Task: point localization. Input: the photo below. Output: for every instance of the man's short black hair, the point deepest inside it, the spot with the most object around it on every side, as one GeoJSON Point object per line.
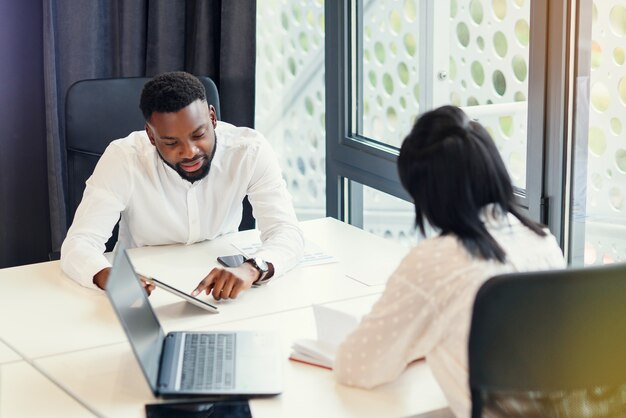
{"type": "Point", "coordinates": [170, 92]}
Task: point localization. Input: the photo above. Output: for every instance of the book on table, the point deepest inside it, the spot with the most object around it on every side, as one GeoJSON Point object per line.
{"type": "Point", "coordinates": [333, 326]}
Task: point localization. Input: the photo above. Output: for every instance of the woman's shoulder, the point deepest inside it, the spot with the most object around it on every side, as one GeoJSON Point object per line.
{"type": "Point", "coordinates": [434, 258]}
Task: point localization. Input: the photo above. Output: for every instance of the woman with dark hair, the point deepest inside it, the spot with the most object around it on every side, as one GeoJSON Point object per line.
{"type": "Point", "coordinates": [451, 168]}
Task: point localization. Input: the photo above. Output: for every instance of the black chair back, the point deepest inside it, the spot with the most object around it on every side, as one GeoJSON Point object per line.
{"type": "Point", "coordinates": [550, 343]}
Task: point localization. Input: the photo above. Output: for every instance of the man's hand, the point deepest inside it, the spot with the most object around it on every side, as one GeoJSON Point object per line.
{"type": "Point", "coordinates": [227, 283]}
{"type": "Point", "coordinates": [101, 278]}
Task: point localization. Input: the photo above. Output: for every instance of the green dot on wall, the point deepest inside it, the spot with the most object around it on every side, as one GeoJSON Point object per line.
{"type": "Point", "coordinates": [463, 34]}
{"type": "Point", "coordinates": [410, 11]}
{"type": "Point", "coordinates": [388, 84]}
{"type": "Point", "coordinates": [597, 141]}
{"type": "Point", "coordinates": [379, 52]}
{"type": "Point", "coordinates": [617, 19]}
{"type": "Point", "coordinates": [616, 126]}
{"type": "Point", "coordinates": [476, 11]}
{"type": "Point", "coordinates": [618, 55]}
{"type": "Point", "coordinates": [395, 22]}
{"type": "Point", "coordinates": [506, 126]}
{"type": "Point", "coordinates": [403, 73]}
{"type": "Point", "coordinates": [410, 44]}
{"type": "Point", "coordinates": [519, 68]}
{"type": "Point", "coordinates": [499, 9]}
{"type": "Point", "coordinates": [500, 44]}
{"type": "Point", "coordinates": [620, 160]}
{"type": "Point", "coordinates": [522, 32]}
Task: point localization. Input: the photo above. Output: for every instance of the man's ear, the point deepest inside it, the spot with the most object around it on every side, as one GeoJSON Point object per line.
{"type": "Point", "coordinates": [213, 115]}
{"type": "Point", "coordinates": [150, 136]}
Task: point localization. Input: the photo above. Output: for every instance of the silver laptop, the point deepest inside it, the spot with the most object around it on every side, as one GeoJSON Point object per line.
{"type": "Point", "coordinates": [191, 363]}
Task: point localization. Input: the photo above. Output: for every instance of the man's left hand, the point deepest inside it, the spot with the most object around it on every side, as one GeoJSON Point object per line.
{"type": "Point", "coordinates": [227, 283]}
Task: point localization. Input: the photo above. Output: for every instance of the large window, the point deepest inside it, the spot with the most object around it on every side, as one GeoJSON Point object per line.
{"type": "Point", "coordinates": [599, 180]}
{"type": "Point", "coordinates": [387, 61]}
{"type": "Point", "coordinates": [469, 53]}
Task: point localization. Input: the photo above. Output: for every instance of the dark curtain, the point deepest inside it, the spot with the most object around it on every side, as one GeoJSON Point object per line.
{"type": "Point", "coordinates": [86, 39]}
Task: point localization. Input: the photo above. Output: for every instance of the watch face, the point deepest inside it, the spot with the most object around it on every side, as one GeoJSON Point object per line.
{"type": "Point", "coordinates": [261, 264]}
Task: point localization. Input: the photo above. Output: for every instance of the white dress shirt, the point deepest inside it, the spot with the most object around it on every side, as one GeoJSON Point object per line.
{"type": "Point", "coordinates": [426, 308]}
{"type": "Point", "coordinates": [158, 207]}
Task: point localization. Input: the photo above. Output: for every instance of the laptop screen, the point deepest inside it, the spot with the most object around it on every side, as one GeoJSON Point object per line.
{"type": "Point", "coordinates": [136, 315]}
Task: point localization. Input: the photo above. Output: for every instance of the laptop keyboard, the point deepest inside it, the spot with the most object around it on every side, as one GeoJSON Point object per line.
{"type": "Point", "coordinates": [208, 361]}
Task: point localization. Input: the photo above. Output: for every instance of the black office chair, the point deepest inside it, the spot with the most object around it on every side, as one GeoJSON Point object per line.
{"type": "Point", "coordinates": [550, 344]}
{"type": "Point", "coordinates": [99, 111]}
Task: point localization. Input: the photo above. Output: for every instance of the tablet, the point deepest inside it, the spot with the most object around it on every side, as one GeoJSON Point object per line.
{"type": "Point", "coordinates": [186, 296]}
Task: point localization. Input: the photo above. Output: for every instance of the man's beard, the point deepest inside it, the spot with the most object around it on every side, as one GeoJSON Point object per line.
{"type": "Point", "coordinates": [200, 173]}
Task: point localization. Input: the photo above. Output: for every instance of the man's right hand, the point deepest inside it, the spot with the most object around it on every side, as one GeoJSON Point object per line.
{"type": "Point", "coordinates": [101, 278]}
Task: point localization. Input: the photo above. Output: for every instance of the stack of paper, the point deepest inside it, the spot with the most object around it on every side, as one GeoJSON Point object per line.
{"type": "Point", "coordinates": [333, 326]}
{"type": "Point", "coordinates": [313, 254]}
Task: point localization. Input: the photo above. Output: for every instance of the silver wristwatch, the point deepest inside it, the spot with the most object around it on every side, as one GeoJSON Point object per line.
{"type": "Point", "coordinates": [263, 268]}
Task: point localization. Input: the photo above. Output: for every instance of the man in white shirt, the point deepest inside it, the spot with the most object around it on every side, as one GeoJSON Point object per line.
{"type": "Point", "coordinates": [183, 180]}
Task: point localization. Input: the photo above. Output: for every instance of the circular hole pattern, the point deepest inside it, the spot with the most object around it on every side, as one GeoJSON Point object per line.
{"type": "Point", "coordinates": [410, 44]}
{"type": "Point", "coordinates": [618, 55]}
{"type": "Point", "coordinates": [379, 52]}
{"type": "Point", "coordinates": [597, 141]}
{"type": "Point", "coordinates": [372, 78]}
{"type": "Point", "coordinates": [476, 11]}
{"type": "Point", "coordinates": [600, 97]}
{"type": "Point", "coordinates": [395, 22]}
{"type": "Point", "coordinates": [481, 43]}
{"type": "Point", "coordinates": [301, 166]}
{"type": "Point", "coordinates": [520, 97]}
{"type": "Point", "coordinates": [478, 73]}
{"type": "Point", "coordinates": [621, 87]}
{"type": "Point", "coordinates": [617, 17]}
{"type": "Point", "coordinates": [291, 64]}
{"type": "Point", "coordinates": [616, 126]}
{"type": "Point", "coordinates": [616, 198]}
{"type": "Point", "coordinates": [463, 34]}
{"type": "Point", "coordinates": [388, 83]}
{"type": "Point", "coordinates": [499, 82]}
{"type": "Point", "coordinates": [499, 9]}
{"type": "Point", "coordinates": [620, 160]}
{"type": "Point", "coordinates": [403, 73]}
{"type": "Point", "coordinates": [393, 48]}
{"type": "Point", "coordinates": [519, 68]}
{"type": "Point", "coordinates": [521, 32]}
{"type": "Point", "coordinates": [506, 126]}
{"type": "Point", "coordinates": [500, 44]}
{"type": "Point", "coordinates": [410, 11]}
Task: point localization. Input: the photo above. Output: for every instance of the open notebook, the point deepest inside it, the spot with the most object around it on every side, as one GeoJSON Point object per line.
{"type": "Point", "coordinates": [333, 326]}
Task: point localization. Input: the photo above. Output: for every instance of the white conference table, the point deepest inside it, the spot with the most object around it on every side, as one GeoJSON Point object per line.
{"type": "Point", "coordinates": [71, 335]}
{"type": "Point", "coordinates": [25, 392]}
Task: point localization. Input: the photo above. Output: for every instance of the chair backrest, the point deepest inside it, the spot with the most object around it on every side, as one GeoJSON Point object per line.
{"type": "Point", "coordinates": [545, 343]}
{"type": "Point", "coordinates": [99, 111]}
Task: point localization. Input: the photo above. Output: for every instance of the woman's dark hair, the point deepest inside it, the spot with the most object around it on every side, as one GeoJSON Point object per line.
{"type": "Point", "coordinates": [451, 168]}
{"type": "Point", "coordinates": [170, 92]}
